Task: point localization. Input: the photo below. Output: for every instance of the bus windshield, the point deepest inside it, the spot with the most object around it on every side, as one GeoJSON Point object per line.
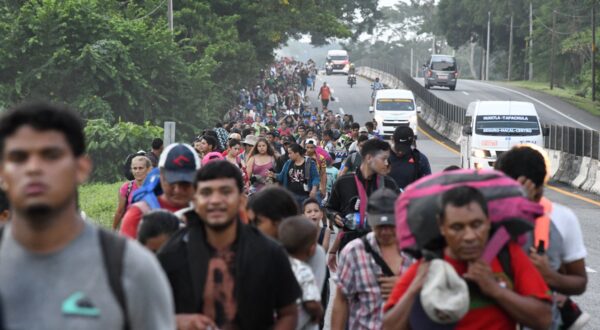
{"type": "Point", "coordinates": [395, 105]}
{"type": "Point", "coordinates": [507, 125]}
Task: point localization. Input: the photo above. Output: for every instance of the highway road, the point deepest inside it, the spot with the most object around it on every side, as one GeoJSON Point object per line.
{"type": "Point", "coordinates": [552, 110]}
{"type": "Point", "coordinates": [355, 101]}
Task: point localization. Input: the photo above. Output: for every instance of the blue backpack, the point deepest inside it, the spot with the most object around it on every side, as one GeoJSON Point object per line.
{"type": "Point", "coordinates": [150, 190]}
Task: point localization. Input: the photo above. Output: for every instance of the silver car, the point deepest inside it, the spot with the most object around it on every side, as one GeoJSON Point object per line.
{"type": "Point", "coordinates": [441, 70]}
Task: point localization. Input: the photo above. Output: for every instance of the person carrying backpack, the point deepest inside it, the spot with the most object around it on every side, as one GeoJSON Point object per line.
{"type": "Point", "coordinates": [368, 268]}
{"type": "Point", "coordinates": [57, 270]}
{"type": "Point", "coordinates": [407, 163]}
{"type": "Point", "coordinates": [349, 195]}
{"type": "Point", "coordinates": [168, 187]}
{"type": "Point", "coordinates": [556, 246]}
{"type": "Point", "coordinates": [140, 167]}
{"type": "Point", "coordinates": [299, 175]}
{"type": "Point", "coordinates": [496, 297]}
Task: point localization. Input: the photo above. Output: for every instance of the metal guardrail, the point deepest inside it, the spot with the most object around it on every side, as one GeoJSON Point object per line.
{"type": "Point", "coordinates": [572, 140]}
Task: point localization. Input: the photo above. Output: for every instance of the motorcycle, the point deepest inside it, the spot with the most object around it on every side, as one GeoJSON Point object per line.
{"type": "Point", "coordinates": [328, 68]}
{"type": "Point", "coordinates": [351, 80]}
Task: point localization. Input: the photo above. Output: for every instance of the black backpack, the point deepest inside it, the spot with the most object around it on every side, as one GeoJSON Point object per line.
{"type": "Point", "coordinates": [112, 248]}
{"type": "Point", "coordinates": [127, 166]}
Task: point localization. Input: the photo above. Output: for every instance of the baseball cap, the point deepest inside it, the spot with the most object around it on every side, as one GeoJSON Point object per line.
{"type": "Point", "coordinates": [444, 298]}
{"type": "Point", "coordinates": [236, 136]}
{"type": "Point", "coordinates": [363, 130]}
{"type": "Point", "coordinates": [179, 163]}
{"type": "Point", "coordinates": [311, 141]}
{"type": "Point", "coordinates": [250, 139]}
{"type": "Point", "coordinates": [380, 209]}
{"type": "Point", "coordinates": [403, 134]}
{"type": "Point", "coordinates": [214, 155]}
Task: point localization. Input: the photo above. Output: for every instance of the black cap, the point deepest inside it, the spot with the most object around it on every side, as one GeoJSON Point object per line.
{"type": "Point", "coordinates": [403, 134]}
{"type": "Point", "coordinates": [380, 208]}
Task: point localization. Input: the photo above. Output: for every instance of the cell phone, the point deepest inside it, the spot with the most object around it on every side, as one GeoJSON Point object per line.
{"type": "Point", "coordinates": [541, 249]}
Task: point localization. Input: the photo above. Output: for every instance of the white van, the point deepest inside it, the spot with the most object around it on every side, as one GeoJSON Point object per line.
{"type": "Point", "coordinates": [338, 61]}
{"type": "Point", "coordinates": [393, 108]}
{"type": "Point", "coordinates": [493, 127]}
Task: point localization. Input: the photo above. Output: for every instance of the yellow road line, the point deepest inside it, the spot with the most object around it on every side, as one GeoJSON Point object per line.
{"type": "Point", "coordinates": [558, 190]}
{"type": "Point", "coordinates": [570, 194]}
{"type": "Point", "coordinates": [438, 141]}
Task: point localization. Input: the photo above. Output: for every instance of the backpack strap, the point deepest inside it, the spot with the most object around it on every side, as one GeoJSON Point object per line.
{"type": "Point", "coordinates": [505, 263]}
{"type": "Point", "coordinates": [378, 259]}
{"type": "Point", "coordinates": [541, 233]}
{"type": "Point", "coordinates": [113, 253]}
{"type": "Point", "coordinates": [362, 195]}
{"type": "Point", "coordinates": [129, 188]}
{"type": "Point", "coordinates": [416, 154]}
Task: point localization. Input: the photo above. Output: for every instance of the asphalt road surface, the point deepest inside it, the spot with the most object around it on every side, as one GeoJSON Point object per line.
{"type": "Point", "coordinates": [552, 110]}
{"type": "Point", "coordinates": [356, 100]}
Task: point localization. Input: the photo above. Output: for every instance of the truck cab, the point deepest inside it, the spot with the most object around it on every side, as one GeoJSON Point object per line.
{"type": "Point", "coordinates": [393, 108]}
{"type": "Point", "coordinates": [493, 127]}
{"type": "Point", "coordinates": [338, 61]}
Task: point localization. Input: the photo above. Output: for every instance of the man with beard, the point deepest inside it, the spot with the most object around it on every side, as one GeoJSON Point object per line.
{"type": "Point", "coordinates": [54, 264]}
{"type": "Point", "coordinates": [225, 274]}
{"type": "Point", "coordinates": [407, 163]}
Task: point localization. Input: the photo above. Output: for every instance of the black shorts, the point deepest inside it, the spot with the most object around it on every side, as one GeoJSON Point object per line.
{"type": "Point", "coordinates": [325, 102]}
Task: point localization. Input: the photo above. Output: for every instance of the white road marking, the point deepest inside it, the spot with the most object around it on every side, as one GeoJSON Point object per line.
{"type": "Point", "coordinates": [542, 103]}
{"type": "Point", "coordinates": [589, 270]}
{"type": "Point", "coordinates": [465, 93]}
{"type": "Point", "coordinates": [342, 111]}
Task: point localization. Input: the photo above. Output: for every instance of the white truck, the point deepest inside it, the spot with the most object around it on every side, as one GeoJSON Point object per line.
{"type": "Point", "coordinates": [338, 61]}
{"type": "Point", "coordinates": [493, 127]}
{"type": "Point", "coordinates": [393, 108]}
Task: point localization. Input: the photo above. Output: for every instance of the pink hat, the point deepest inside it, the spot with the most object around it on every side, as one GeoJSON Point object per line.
{"type": "Point", "coordinates": [215, 155]}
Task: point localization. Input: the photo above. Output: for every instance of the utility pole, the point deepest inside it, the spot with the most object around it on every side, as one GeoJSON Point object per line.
{"type": "Point", "coordinates": [510, 42]}
{"type": "Point", "coordinates": [170, 15]}
{"type": "Point", "coordinates": [530, 41]}
{"type": "Point", "coordinates": [411, 61]}
{"type": "Point", "coordinates": [433, 50]}
{"type": "Point", "coordinates": [487, 50]}
{"type": "Point", "coordinates": [593, 52]}
{"type": "Point", "coordinates": [552, 50]}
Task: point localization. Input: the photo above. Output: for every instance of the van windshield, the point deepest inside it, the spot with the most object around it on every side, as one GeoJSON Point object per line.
{"type": "Point", "coordinates": [507, 125]}
{"type": "Point", "coordinates": [338, 57]}
{"type": "Point", "coordinates": [443, 66]}
{"type": "Point", "coordinates": [395, 105]}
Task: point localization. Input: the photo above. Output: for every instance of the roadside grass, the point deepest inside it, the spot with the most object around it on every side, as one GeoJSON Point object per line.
{"type": "Point", "coordinates": [99, 201]}
{"type": "Point", "coordinates": [567, 94]}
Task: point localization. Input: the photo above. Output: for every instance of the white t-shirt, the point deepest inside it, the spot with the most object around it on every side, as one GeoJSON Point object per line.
{"type": "Point", "coordinates": [568, 226]}
{"type": "Point", "coordinates": [566, 239]}
{"type": "Point", "coordinates": [310, 292]}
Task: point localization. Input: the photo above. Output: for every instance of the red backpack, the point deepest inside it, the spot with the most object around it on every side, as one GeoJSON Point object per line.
{"type": "Point", "coordinates": [512, 214]}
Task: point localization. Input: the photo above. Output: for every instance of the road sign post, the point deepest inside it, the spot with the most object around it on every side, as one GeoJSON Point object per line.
{"type": "Point", "coordinates": [169, 134]}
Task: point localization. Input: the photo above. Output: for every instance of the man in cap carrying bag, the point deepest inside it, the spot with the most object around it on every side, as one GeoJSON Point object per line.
{"type": "Point", "coordinates": [407, 163]}
{"type": "Point", "coordinates": [368, 268]}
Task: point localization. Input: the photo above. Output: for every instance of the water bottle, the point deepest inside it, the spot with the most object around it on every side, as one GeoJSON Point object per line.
{"type": "Point", "coordinates": [352, 221]}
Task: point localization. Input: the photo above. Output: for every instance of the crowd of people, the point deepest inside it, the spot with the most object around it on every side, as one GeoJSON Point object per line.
{"type": "Point", "coordinates": [247, 226]}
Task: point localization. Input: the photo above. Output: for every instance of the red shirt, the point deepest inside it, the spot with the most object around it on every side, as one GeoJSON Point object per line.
{"type": "Point", "coordinates": [325, 93]}
{"type": "Point", "coordinates": [484, 313]}
{"type": "Point", "coordinates": [133, 216]}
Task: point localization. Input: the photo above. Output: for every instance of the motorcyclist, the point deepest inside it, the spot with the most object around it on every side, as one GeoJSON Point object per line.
{"type": "Point", "coordinates": [351, 75]}
{"type": "Point", "coordinates": [352, 69]}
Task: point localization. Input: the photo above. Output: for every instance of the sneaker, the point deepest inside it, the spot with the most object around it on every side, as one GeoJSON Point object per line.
{"type": "Point", "coordinates": [572, 317]}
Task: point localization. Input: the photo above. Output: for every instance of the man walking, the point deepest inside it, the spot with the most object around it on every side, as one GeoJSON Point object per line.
{"type": "Point", "coordinates": [407, 163]}
{"type": "Point", "coordinates": [368, 268]}
{"type": "Point", "coordinates": [224, 274]}
{"type": "Point", "coordinates": [58, 271]}
{"type": "Point", "coordinates": [325, 95]}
